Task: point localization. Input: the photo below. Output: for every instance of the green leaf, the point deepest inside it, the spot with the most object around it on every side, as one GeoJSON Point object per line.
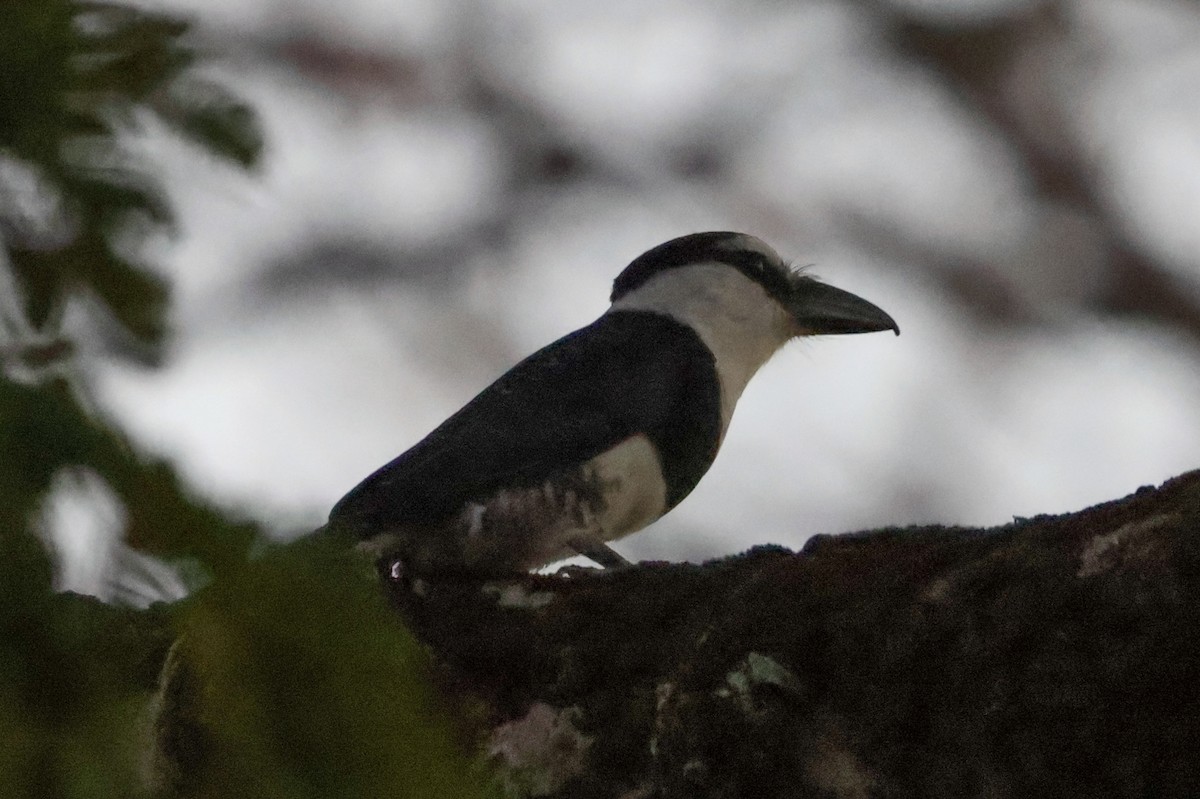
{"type": "Point", "coordinates": [74, 79]}
{"type": "Point", "coordinates": [40, 278]}
{"type": "Point", "coordinates": [42, 430]}
{"type": "Point", "coordinates": [76, 675]}
{"type": "Point", "coordinates": [293, 678]}
{"type": "Point", "coordinates": [35, 47]}
{"type": "Point", "coordinates": [214, 119]}
{"type": "Point", "coordinates": [136, 298]}
{"type": "Point", "coordinates": [109, 193]}
{"type": "Point", "coordinates": [86, 123]}
{"type": "Point", "coordinates": [128, 52]}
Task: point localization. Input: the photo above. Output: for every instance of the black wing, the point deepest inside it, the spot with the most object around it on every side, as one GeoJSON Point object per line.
{"type": "Point", "coordinates": [626, 373]}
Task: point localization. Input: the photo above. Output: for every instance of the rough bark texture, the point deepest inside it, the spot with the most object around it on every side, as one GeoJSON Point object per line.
{"type": "Point", "coordinates": [1055, 656]}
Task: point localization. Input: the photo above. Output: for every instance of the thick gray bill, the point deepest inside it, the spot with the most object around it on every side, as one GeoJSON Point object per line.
{"type": "Point", "coordinates": [823, 310]}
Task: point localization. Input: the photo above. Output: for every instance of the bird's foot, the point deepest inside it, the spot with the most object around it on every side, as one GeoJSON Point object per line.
{"type": "Point", "coordinates": [600, 553]}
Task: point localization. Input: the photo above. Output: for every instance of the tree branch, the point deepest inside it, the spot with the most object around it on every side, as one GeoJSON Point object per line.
{"type": "Point", "coordinates": [1054, 656]}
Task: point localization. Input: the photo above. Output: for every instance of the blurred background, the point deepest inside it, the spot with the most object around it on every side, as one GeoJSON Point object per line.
{"type": "Point", "coordinates": [395, 202]}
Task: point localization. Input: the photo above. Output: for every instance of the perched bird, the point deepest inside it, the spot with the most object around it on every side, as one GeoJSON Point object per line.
{"type": "Point", "coordinates": [602, 432]}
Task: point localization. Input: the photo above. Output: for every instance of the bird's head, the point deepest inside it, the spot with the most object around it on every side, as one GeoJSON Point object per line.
{"type": "Point", "coordinates": [741, 298]}
{"type": "Point", "coordinates": [723, 273]}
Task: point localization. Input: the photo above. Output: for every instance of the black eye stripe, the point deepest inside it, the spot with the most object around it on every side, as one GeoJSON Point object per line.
{"type": "Point", "coordinates": [754, 266]}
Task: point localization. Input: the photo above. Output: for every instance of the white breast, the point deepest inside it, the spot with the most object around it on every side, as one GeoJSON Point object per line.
{"type": "Point", "coordinates": [737, 320]}
{"type": "Point", "coordinates": [614, 494]}
{"type": "Point", "coordinates": [630, 476]}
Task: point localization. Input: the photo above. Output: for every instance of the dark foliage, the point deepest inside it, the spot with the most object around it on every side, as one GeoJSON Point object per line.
{"type": "Point", "coordinates": [78, 81]}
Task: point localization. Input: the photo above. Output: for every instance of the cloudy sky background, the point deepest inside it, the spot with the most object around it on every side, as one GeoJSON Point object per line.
{"type": "Point", "coordinates": [451, 185]}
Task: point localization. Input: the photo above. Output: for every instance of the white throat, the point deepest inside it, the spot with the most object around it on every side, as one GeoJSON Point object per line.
{"type": "Point", "coordinates": [733, 315]}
